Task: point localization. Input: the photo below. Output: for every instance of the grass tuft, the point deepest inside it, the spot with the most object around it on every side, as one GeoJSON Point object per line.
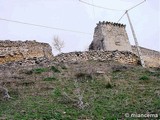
{"type": "Point", "coordinates": [57, 92]}
{"type": "Point", "coordinates": [54, 69]}
{"type": "Point", "coordinates": [144, 77]}
{"type": "Point", "coordinates": [40, 70]}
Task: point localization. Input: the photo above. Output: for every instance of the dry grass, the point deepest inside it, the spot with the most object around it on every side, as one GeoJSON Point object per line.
{"type": "Point", "coordinates": [78, 92]}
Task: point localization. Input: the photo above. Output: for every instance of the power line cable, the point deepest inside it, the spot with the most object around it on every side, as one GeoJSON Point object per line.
{"type": "Point", "coordinates": [111, 8]}
{"type": "Point", "coordinates": [121, 17]}
{"type": "Point", "coordinates": [118, 20]}
{"type": "Point", "coordinates": [136, 5]}
{"type": "Point", "coordinates": [131, 9]}
{"type": "Point", "coordinates": [43, 26]}
{"type": "Point", "coordinates": [100, 6]}
{"type": "Point", "coordinates": [61, 29]}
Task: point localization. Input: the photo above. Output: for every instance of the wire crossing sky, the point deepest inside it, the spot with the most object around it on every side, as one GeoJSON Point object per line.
{"type": "Point", "coordinates": [43, 26]}
{"type": "Point", "coordinates": [99, 6]}
{"type": "Point", "coordinates": [74, 21]}
{"type": "Point", "coordinates": [111, 8]}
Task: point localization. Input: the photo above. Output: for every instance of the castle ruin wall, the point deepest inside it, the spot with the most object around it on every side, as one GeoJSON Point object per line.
{"type": "Point", "coordinates": [123, 57]}
{"type": "Point", "coordinates": [150, 57]}
{"type": "Point", "coordinates": [11, 51]}
{"type": "Point", "coordinates": [110, 36]}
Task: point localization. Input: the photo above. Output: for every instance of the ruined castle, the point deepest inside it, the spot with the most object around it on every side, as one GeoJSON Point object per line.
{"type": "Point", "coordinates": [109, 36]}
{"type": "Point", "coordinates": [27, 53]}
{"type": "Point", "coordinates": [110, 43]}
{"type": "Point", "coordinates": [11, 51]}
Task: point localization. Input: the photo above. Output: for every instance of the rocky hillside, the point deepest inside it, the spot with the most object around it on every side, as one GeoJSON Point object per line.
{"type": "Point", "coordinates": [78, 90]}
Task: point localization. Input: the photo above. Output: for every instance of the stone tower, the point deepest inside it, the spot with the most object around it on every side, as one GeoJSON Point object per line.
{"type": "Point", "coordinates": [109, 36]}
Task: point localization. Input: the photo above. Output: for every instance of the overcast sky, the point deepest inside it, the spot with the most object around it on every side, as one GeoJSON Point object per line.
{"type": "Point", "coordinates": [75, 15]}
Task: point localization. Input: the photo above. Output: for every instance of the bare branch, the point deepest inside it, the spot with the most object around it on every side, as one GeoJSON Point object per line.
{"type": "Point", "coordinates": [58, 44]}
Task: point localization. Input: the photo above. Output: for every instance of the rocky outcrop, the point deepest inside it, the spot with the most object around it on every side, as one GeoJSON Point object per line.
{"type": "Point", "coordinates": [123, 57]}
{"type": "Point", "coordinates": [11, 51]}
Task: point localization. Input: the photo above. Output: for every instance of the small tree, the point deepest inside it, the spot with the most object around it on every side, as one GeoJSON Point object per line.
{"type": "Point", "coordinates": [58, 44]}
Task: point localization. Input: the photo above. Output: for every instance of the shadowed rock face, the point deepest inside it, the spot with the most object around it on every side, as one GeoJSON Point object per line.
{"type": "Point", "coordinates": [11, 51]}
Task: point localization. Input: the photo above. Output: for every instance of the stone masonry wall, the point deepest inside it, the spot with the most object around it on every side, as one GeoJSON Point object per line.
{"type": "Point", "coordinates": [151, 57]}
{"type": "Point", "coordinates": [17, 50]}
{"type": "Point", "coordinates": [123, 57]}
{"type": "Point", "coordinates": [110, 36]}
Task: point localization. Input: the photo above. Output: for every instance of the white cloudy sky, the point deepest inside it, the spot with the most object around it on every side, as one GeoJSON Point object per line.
{"type": "Point", "coordinates": [74, 15]}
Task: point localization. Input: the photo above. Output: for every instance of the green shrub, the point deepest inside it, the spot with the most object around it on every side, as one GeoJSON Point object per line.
{"type": "Point", "coordinates": [57, 92]}
{"type": "Point", "coordinates": [144, 77]}
{"type": "Point", "coordinates": [54, 69]}
{"type": "Point", "coordinates": [108, 85]}
{"type": "Point", "coordinates": [153, 73]}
